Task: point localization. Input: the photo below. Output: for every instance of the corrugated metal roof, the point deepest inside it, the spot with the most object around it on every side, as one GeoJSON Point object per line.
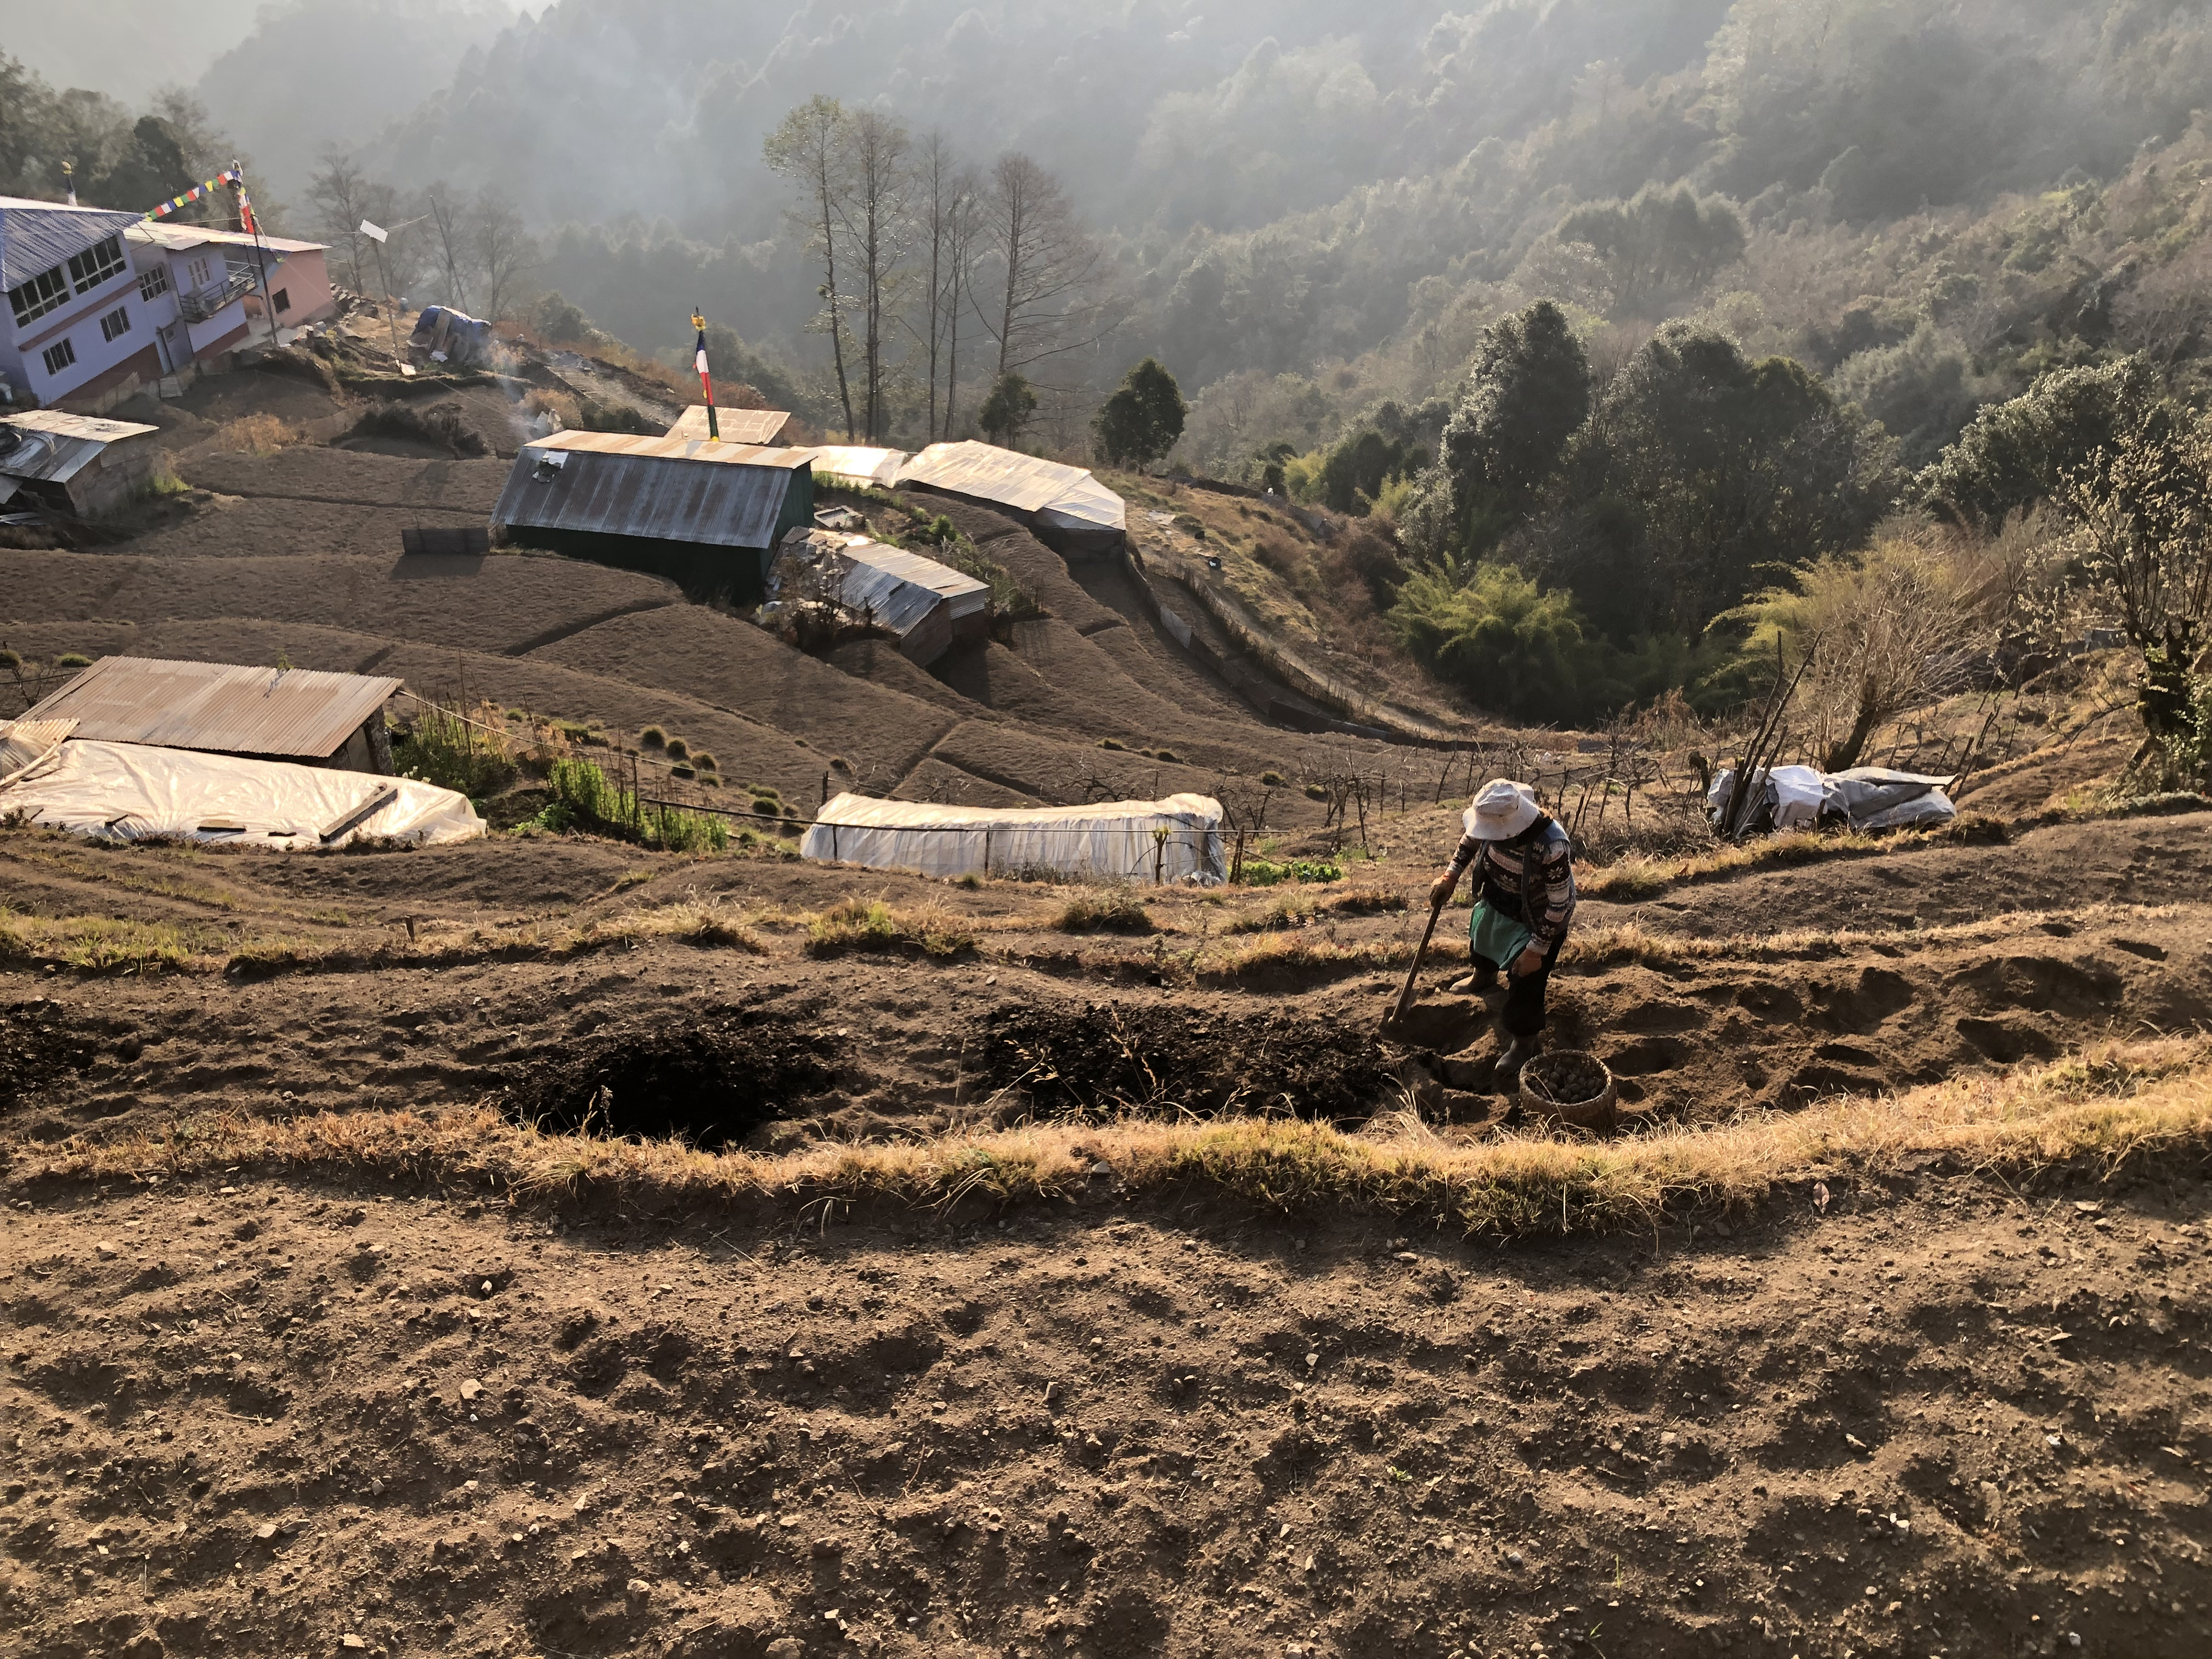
{"type": "Point", "coordinates": [166, 232]}
{"type": "Point", "coordinates": [738, 426]}
{"type": "Point", "coordinates": [669, 449]}
{"type": "Point", "coordinates": [898, 589]}
{"type": "Point", "coordinates": [57, 445]}
{"type": "Point", "coordinates": [666, 488]}
{"type": "Point", "coordinates": [222, 708]}
{"type": "Point", "coordinates": [36, 236]}
{"type": "Point", "coordinates": [1028, 484]}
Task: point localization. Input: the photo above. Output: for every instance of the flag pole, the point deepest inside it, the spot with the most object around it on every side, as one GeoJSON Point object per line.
{"type": "Point", "coordinates": [706, 380]}
{"type": "Point", "coordinates": [251, 221]}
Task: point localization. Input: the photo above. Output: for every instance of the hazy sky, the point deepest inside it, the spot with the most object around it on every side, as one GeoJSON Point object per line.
{"type": "Point", "coordinates": [126, 48]}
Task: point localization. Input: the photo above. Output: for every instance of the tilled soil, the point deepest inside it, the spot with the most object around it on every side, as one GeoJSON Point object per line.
{"type": "Point", "coordinates": [253, 1416]}
{"type": "Point", "coordinates": [1038, 1022]}
{"type": "Point", "coordinates": [1104, 1058]}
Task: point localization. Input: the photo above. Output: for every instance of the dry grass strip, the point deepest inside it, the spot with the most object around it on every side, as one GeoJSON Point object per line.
{"type": "Point", "coordinates": [2115, 1105]}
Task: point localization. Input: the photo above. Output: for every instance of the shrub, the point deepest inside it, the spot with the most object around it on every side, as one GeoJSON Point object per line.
{"type": "Point", "coordinates": [684, 771]}
{"type": "Point", "coordinates": [598, 804]}
{"type": "Point", "coordinates": [705, 763]}
{"type": "Point", "coordinates": [443, 747]}
{"type": "Point", "coordinates": [1107, 910]}
{"type": "Point", "coordinates": [441, 426]}
{"type": "Point", "coordinates": [652, 737]}
{"type": "Point", "coordinates": [1507, 644]}
{"type": "Point", "coordinates": [1115, 744]}
{"type": "Point", "coordinates": [1275, 781]}
{"type": "Point", "coordinates": [72, 659]}
{"type": "Point", "coordinates": [678, 749]}
{"type": "Point", "coordinates": [1260, 872]}
{"type": "Point", "coordinates": [767, 806]}
{"type": "Point", "coordinates": [1316, 791]}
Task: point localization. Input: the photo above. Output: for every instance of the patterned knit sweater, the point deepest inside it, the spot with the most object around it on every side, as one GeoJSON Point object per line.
{"type": "Point", "coordinates": [1531, 877]}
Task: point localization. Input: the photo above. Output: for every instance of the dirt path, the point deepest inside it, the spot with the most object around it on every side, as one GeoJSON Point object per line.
{"type": "Point", "coordinates": [257, 1416]}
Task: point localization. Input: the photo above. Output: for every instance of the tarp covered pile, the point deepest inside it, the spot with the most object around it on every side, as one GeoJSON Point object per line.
{"type": "Point", "coordinates": [136, 792]}
{"type": "Point", "coordinates": [1867, 797]}
{"type": "Point", "coordinates": [1175, 839]}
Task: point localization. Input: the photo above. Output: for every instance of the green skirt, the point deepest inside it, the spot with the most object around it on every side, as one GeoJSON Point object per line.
{"type": "Point", "coordinates": [1496, 937]}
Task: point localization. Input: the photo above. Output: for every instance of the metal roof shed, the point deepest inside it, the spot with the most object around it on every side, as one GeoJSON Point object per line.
{"type": "Point", "coordinates": [227, 709]}
{"type": "Point", "coordinates": [707, 515]}
{"type": "Point", "coordinates": [926, 605]}
{"type": "Point", "coordinates": [76, 464]}
{"type": "Point", "coordinates": [1069, 510]}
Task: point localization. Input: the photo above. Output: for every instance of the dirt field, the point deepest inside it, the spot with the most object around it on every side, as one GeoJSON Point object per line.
{"type": "Point", "coordinates": [543, 1248]}
{"type": "Point", "coordinates": [268, 1414]}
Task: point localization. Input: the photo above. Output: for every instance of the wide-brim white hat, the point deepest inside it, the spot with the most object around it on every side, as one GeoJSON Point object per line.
{"type": "Point", "coordinates": [1501, 811]}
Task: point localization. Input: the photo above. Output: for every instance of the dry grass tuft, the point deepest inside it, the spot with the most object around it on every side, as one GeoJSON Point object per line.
{"type": "Point", "coordinates": [858, 924]}
{"type": "Point", "coordinates": [2112, 1105]}
{"type": "Point", "coordinates": [710, 920]}
{"type": "Point", "coordinates": [259, 434]}
{"type": "Point", "coordinates": [104, 945]}
{"type": "Point", "coordinates": [1104, 910]}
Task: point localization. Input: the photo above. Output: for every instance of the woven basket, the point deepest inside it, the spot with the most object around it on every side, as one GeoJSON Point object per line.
{"type": "Point", "coordinates": [1599, 1112]}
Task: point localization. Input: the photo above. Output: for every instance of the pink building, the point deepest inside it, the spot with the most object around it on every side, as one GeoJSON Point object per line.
{"type": "Point", "coordinates": [102, 304]}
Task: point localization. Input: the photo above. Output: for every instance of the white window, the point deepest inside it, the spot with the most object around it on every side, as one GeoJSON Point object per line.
{"type": "Point", "coordinates": [59, 355]}
{"type": "Point", "coordinates": [153, 281]}
{"type": "Point", "coordinates": [117, 322]}
{"type": "Point", "coordinates": [43, 293]}
{"type": "Point", "coordinates": [198, 270]}
{"type": "Point", "coordinates": [102, 260]}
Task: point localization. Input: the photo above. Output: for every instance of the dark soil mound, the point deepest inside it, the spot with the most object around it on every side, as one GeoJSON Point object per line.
{"type": "Point", "coordinates": [1107, 1059]}
{"type": "Point", "coordinates": [710, 1084]}
{"type": "Point", "coordinates": [36, 1046]}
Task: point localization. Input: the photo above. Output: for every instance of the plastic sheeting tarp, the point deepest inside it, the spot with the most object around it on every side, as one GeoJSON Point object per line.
{"type": "Point", "coordinates": [135, 791]}
{"type": "Point", "coordinates": [1175, 839]}
{"type": "Point", "coordinates": [858, 466]}
{"type": "Point", "coordinates": [1866, 796]}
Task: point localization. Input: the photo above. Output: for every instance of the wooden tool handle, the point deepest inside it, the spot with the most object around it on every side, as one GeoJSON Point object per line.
{"type": "Point", "coordinates": [1406, 996]}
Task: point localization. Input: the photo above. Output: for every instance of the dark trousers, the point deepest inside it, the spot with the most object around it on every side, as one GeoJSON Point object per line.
{"type": "Point", "coordinates": [1523, 1013]}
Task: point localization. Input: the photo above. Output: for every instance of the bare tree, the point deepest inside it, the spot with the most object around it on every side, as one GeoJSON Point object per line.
{"type": "Point", "coordinates": [448, 219]}
{"type": "Point", "coordinates": [505, 254]}
{"type": "Point", "coordinates": [339, 195]}
{"type": "Point", "coordinates": [878, 175]}
{"type": "Point", "coordinates": [809, 151]}
{"type": "Point", "coordinates": [946, 206]}
{"type": "Point", "coordinates": [1049, 301]}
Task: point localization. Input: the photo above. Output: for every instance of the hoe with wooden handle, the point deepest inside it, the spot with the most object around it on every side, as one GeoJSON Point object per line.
{"type": "Point", "coordinates": [1406, 996]}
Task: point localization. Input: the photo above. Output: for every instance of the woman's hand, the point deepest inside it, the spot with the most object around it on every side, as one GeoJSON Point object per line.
{"type": "Point", "coordinates": [1529, 962]}
{"type": "Point", "coordinates": [1440, 893]}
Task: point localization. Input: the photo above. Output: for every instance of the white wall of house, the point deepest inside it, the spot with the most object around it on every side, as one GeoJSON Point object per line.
{"type": "Point", "coordinates": [94, 331]}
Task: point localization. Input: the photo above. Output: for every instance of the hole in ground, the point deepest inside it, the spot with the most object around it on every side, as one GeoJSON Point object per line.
{"type": "Point", "coordinates": [709, 1084]}
{"type": "Point", "coordinates": [1075, 1062]}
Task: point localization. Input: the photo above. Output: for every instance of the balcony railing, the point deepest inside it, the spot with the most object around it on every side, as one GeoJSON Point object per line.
{"type": "Point", "coordinates": [202, 303]}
